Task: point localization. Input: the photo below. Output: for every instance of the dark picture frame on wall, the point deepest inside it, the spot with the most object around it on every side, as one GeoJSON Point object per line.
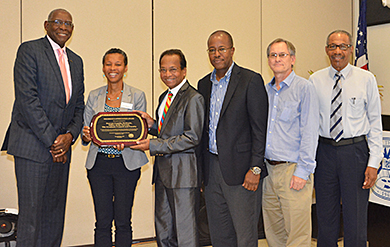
{"type": "Point", "coordinates": [377, 14]}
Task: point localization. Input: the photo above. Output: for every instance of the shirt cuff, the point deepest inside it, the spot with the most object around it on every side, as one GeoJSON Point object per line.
{"type": "Point", "coordinates": [374, 162]}
{"type": "Point", "coordinates": [301, 172]}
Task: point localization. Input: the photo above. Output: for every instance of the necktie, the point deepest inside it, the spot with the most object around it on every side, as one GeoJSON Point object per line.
{"type": "Point", "coordinates": [336, 125]}
{"type": "Point", "coordinates": [61, 60]}
{"type": "Point", "coordinates": [167, 105]}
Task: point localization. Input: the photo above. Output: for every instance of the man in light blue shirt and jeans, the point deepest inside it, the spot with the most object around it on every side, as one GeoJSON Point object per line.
{"type": "Point", "coordinates": [292, 137]}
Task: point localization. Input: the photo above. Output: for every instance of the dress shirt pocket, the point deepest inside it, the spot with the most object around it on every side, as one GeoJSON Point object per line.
{"type": "Point", "coordinates": [356, 108]}
{"type": "Point", "coordinates": [289, 111]}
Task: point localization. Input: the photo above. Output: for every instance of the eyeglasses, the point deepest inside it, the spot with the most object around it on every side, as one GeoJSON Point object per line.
{"type": "Point", "coordinates": [171, 70]}
{"type": "Point", "coordinates": [342, 47]}
{"type": "Point", "coordinates": [220, 50]}
{"type": "Point", "coordinates": [59, 23]}
{"type": "Point", "coordinates": [281, 55]}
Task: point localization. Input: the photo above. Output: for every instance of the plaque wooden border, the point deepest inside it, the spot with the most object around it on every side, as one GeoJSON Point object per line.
{"type": "Point", "coordinates": [96, 136]}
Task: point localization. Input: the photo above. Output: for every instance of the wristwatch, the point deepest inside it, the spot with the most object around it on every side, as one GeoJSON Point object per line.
{"type": "Point", "coordinates": [256, 170]}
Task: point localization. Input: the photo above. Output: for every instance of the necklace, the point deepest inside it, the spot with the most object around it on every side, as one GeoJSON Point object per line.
{"type": "Point", "coordinates": [117, 98]}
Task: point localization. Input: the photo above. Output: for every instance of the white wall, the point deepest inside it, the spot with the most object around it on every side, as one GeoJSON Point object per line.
{"type": "Point", "coordinates": [177, 24]}
{"type": "Point", "coordinates": [378, 50]}
{"type": "Point", "coordinates": [379, 63]}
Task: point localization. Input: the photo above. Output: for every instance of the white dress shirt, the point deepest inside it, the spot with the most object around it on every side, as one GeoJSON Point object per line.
{"type": "Point", "coordinates": [361, 109]}
{"type": "Point", "coordinates": [174, 91]}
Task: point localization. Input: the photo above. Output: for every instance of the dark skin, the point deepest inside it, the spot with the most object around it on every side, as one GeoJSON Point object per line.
{"type": "Point", "coordinates": [370, 177]}
{"type": "Point", "coordinates": [60, 35]}
{"type": "Point", "coordinates": [221, 62]}
{"type": "Point", "coordinates": [60, 147]}
{"type": "Point", "coordinates": [113, 68]}
{"type": "Point", "coordinates": [339, 60]}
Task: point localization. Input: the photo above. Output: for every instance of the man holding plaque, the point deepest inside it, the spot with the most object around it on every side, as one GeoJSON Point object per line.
{"type": "Point", "coordinates": [290, 155]}
{"type": "Point", "coordinates": [232, 151]}
{"type": "Point", "coordinates": [178, 128]}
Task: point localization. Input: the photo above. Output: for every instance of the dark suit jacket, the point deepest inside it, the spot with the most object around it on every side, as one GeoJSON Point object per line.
{"type": "Point", "coordinates": [40, 112]}
{"type": "Point", "coordinates": [181, 132]}
{"type": "Point", "coordinates": [242, 126]}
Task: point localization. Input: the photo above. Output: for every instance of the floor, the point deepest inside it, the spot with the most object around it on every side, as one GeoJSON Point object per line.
{"type": "Point", "coordinates": [262, 243]}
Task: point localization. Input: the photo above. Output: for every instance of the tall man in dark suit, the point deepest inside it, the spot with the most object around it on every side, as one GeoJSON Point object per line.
{"type": "Point", "coordinates": [178, 128]}
{"type": "Point", "coordinates": [233, 145]}
{"type": "Point", "coordinates": [46, 119]}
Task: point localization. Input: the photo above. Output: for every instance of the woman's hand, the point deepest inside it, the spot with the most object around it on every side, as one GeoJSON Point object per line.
{"type": "Point", "coordinates": [86, 134]}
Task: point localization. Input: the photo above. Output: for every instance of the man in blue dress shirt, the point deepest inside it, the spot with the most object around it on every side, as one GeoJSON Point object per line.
{"type": "Point", "coordinates": [292, 139]}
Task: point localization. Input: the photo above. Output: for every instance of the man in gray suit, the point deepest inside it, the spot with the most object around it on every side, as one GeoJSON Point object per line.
{"type": "Point", "coordinates": [178, 128]}
{"type": "Point", "coordinates": [46, 119]}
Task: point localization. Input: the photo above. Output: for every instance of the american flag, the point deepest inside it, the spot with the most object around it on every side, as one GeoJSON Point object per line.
{"type": "Point", "coordinates": [361, 57]}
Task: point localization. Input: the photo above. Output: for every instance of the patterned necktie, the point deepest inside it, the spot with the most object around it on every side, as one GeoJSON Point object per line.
{"type": "Point", "coordinates": [64, 74]}
{"type": "Point", "coordinates": [336, 125]}
{"type": "Point", "coordinates": [167, 105]}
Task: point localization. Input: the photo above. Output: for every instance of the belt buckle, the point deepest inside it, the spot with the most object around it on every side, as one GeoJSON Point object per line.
{"type": "Point", "coordinates": [111, 156]}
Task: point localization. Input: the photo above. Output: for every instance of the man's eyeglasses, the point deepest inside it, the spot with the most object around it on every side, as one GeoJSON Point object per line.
{"type": "Point", "coordinates": [59, 23]}
{"type": "Point", "coordinates": [171, 70]}
{"type": "Point", "coordinates": [220, 50]}
{"type": "Point", "coordinates": [342, 47]}
{"type": "Point", "coordinates": [281, 55]}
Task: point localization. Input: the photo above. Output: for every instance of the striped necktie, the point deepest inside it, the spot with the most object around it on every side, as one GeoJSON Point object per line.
{"type": "Point", "coordinates": [64, 74]}
{"type": "Point", "coordinates": [167, 105]}
{"type": "Point", "coordinates": [336, 125]}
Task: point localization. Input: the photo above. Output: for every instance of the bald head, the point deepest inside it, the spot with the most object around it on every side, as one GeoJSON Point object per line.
{"type": "Point", "coordinates": [221, 33]}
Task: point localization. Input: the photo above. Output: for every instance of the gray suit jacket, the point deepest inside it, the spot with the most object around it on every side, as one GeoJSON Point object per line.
{"type": "Point", "coordinates": [133, 159]}
{"type": "Point", "coordinates": [181, 132]}
{"type": "Point", "coordinates": [40, 112]}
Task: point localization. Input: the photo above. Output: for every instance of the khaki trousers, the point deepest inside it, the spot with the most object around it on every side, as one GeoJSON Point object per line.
{"type": "Point", "coordinates": [286, 212]}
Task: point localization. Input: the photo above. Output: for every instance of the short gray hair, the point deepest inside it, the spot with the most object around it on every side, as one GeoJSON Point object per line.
{"type": "Point", "coordinates": [55, 10]}
{"type": "Point", "coordinates": [340, 31]}
{"type": "Point", "coordinates": [290, 46]}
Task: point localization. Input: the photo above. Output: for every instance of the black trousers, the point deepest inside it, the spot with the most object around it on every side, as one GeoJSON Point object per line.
{"type": "Point", "coordinates": [113, 187]}
{"type": "Point", "coordinates": [339, 177]}
{"type": "Point", "coordinates": [42, 190]}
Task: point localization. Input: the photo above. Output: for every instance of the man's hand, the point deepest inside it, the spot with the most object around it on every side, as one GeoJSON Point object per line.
{"type": "Point", "coordinates": [297, 183]}
{"type": "Point", "coordinates": [61, 145]}
{"type": "Point", "coordinates": [141, 145]}
{"type": "Point", "coordinates": [370, 177]}
{"type": "Point", "coordinates": [147, 117]}
{"type": "Point", "coordinates": [61, 159]}
{"type": "Point", "coordinates": [251, 181]}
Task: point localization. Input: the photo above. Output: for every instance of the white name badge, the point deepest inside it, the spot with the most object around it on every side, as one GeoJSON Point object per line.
{"type": "Point", "coordinates": [128, 106]}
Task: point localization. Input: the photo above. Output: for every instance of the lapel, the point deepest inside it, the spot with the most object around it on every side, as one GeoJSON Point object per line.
{"type": "Point", "coordinates": [160, 99]}
{"type": "Point", "coordinates": [72, 72]}
{"type": "Point", "coordinates": [208, 97]}
{"type": "Point", "coordinates": [233, 83]}
{"type": "Point", "coordinates": [126, 97]}
{"type": "Point", "coordinates": [51, 57]}
{"type": "Point", "coordinates": [101, 99]}
{"type": "Point", "coordinates": [174, 104]}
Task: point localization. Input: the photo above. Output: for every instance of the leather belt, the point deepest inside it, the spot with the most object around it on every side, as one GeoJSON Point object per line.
{"type": "Point", "coordinates": [111, 156]}
{"type": "Point", "coordinates": [342, 142]}
{"type": "Point", "coordinates": [274, 162]}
